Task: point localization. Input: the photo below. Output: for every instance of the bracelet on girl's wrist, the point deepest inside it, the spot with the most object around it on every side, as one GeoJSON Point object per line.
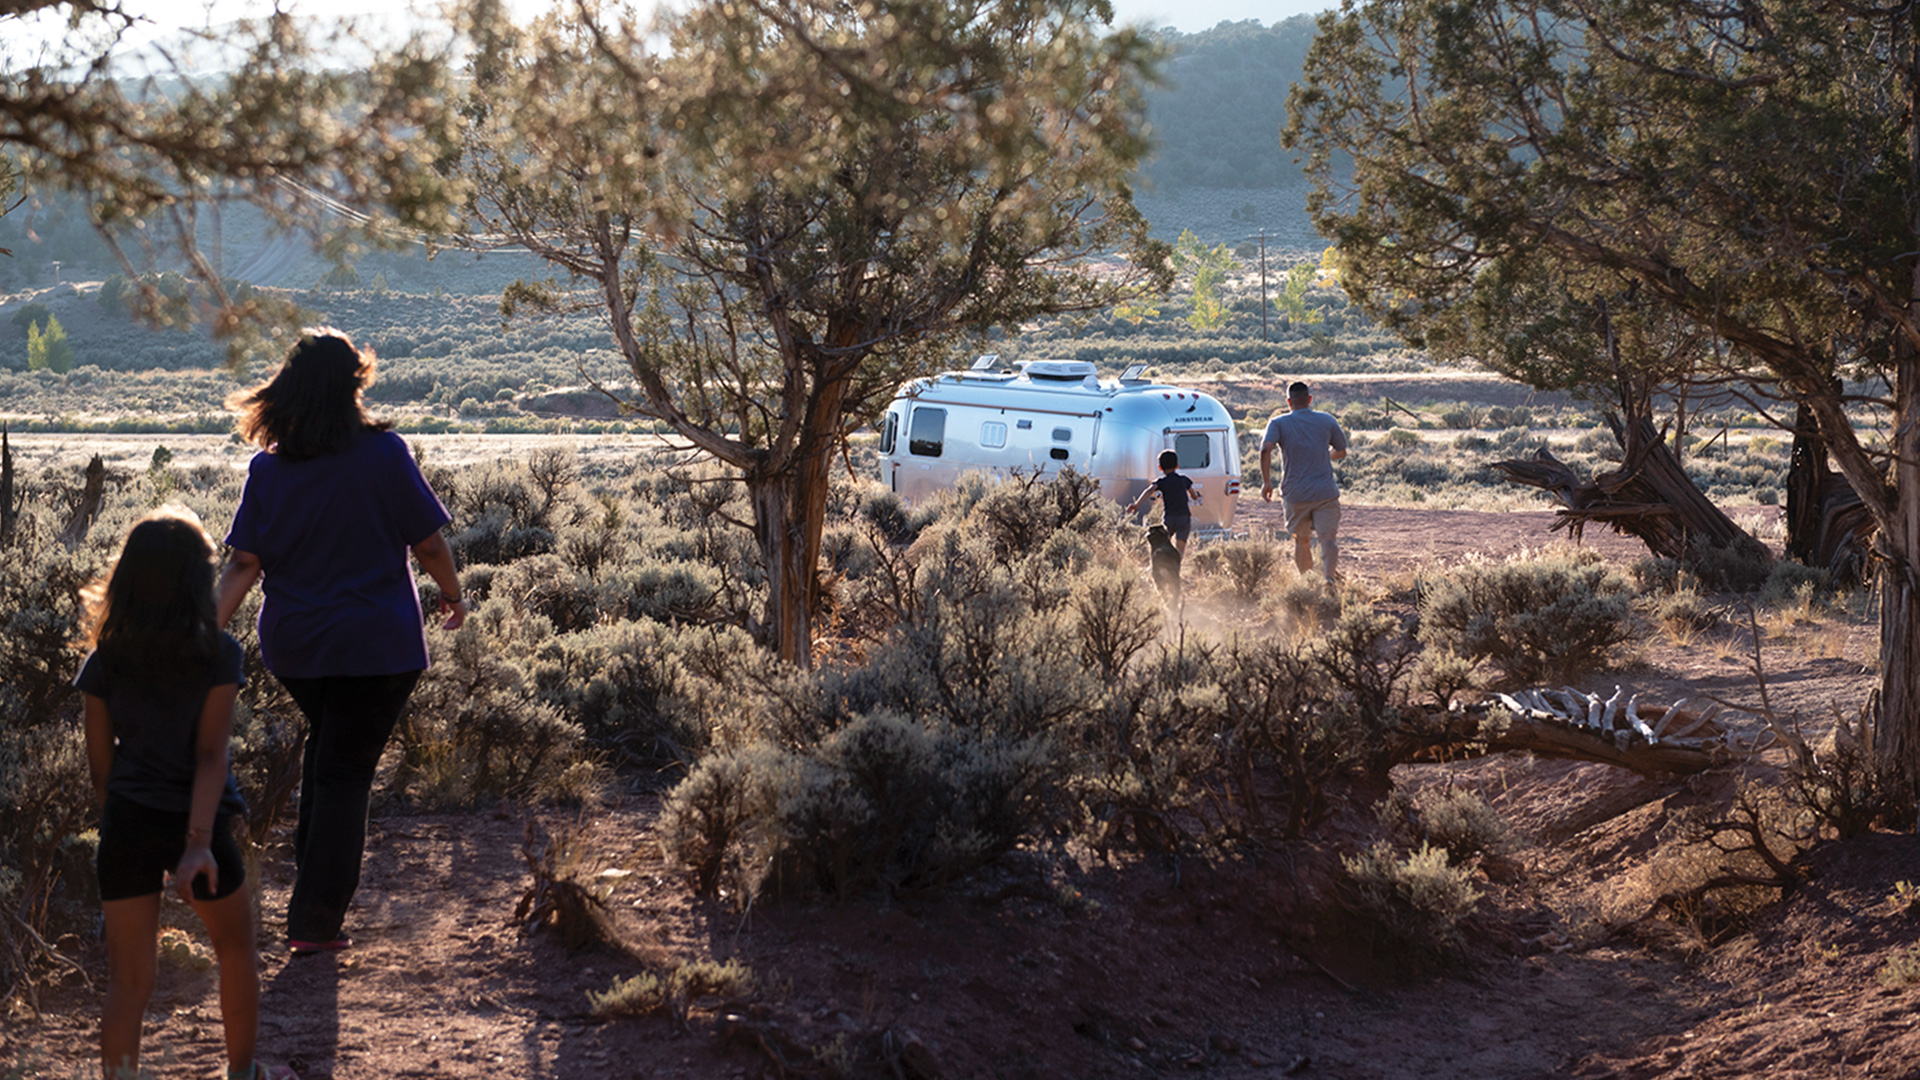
{"type": "Point", "coordinates": [197, 837]}
{"type": "Point", "coordinates": [454, 599]}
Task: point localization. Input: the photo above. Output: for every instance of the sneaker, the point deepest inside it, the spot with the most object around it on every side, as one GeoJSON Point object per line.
{"type": "Point", "coordinates": [309, 948]}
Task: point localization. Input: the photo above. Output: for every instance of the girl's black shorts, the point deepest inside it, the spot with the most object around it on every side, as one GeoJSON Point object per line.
{"type": "Point", "coordinates": [140, 846]}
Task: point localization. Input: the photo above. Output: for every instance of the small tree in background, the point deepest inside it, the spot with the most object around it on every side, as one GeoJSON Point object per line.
{"type": "Point", "coordinates": [49, 350]}
{"type": "Point", "coordinates": [31, 313]}
{"type": "Point", "coordinates": [1291, 298]}
{"type": "Point", "coordinates": [1209, 267]}
{"type": "Point", "coordinates": [112, 294]}
{"type": "Point", "coordinates": [342, 277]}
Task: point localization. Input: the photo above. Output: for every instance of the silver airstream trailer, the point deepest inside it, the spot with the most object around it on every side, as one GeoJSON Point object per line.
{"type": "Point", "coordinates": [1049, 414]}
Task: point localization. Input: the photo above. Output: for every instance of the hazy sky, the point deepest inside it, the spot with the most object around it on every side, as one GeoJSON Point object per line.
{"type": "Point", "coordinates": [31, 39]}
{"type": "Point", "coordinates": [1185, 15]}
{"type": "Point", "coordinates": [1191, 16]}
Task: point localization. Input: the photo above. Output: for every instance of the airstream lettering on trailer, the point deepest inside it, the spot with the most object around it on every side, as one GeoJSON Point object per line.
{"type": "Point", "coordinates": [1051, 414]}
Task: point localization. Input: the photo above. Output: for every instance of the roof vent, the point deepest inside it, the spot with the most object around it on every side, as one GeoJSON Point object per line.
{"type": "Point", "coordinates": [1061, 370]}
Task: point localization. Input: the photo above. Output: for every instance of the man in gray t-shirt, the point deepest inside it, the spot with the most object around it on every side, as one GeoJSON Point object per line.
{"type": "Point", "coordinates": [1310, 442]}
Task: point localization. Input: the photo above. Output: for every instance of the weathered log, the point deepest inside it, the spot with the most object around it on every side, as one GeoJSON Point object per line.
{"type": "Point", "coordinates": [76, 527]}
{"type": "Point", "coordinates": [1551, 740]}
{"type": "Point", "coordinates": [1625, 738]}
{"type": "Point", "coordinates": [1650, 497]}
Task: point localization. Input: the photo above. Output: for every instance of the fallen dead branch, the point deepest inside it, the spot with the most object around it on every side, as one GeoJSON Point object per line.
{"type": "Point", "coordinates": [556, 899]}
{"type": "Point", "coordinates": [1688, 736]}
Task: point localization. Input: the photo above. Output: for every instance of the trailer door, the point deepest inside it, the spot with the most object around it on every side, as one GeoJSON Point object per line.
{"type": "Point", "coordinates": [1211, 458]}
{"type": "Point", "coordinates": [1195, 449]}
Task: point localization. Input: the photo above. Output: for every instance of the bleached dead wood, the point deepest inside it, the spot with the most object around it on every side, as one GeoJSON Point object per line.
{"type": "Point", "coordinates": [1615, 730]}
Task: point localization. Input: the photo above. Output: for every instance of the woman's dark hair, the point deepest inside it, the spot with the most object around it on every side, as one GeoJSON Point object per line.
{"type": "Point", "coordinates": [311, 406]}
{"type": "Point", "coordinates": [152, 617]}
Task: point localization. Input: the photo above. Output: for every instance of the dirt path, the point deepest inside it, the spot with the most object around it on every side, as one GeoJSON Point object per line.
{"type": "Point", "coordinates": [1379, 541]}
{"type": "Point", "coordinates": [1146, 969]}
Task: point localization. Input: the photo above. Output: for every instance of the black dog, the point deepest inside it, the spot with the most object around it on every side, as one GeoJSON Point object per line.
{"type": "Point", "coordinates": [1166, 563]}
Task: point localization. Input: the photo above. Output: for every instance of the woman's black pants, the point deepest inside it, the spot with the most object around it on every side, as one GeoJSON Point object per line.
{"type": "Point", "coordinates": [349, 718]}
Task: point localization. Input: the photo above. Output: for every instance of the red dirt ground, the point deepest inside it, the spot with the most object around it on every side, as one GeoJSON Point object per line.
{"type": "Point", "coordinates": [1150, 967]}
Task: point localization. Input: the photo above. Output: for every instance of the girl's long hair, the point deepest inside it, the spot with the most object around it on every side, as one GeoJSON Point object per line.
{"type": "Point", "coordinates": [151, 618]}
{"type": "Point", "coordinates": [311, 407]}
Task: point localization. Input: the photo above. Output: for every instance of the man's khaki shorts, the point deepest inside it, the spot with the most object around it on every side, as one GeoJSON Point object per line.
{"type": "Point", "coordinates": [1320, 515]}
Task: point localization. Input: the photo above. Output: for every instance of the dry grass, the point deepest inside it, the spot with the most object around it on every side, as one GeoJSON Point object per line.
{"type": "Point", "coordinates": [33, 452]}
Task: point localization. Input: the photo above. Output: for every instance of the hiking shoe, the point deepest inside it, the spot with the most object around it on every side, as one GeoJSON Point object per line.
{"type": "Point", "coordinates": [309, 948]}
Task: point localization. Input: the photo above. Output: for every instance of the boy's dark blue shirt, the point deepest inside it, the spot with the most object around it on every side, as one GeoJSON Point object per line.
{"type": "Point", "coordinates": [1174, 504]}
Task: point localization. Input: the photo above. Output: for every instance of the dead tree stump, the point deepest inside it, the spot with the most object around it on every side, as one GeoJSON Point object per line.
{"type": "Point", "coordinates": [9, 511]}
{"type": "Point", "coordinates": [1650, 497]}
{"type": "Point", "coordinates": [76, 527]}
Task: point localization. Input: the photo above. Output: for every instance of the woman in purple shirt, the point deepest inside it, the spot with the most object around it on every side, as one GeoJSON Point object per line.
{"type": "Point", "coordinates": [332, 505]}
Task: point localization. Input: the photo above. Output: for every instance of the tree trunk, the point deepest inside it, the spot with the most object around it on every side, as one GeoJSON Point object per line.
{"type": "Point", "coordinates": [1650, 496]}
{"type": "Point", "coordinates": [1828, 525]}
{"type": "Point", "coordinates": [789, 501]}
{"type": "Point", "coordinates": [1897, 712]}
{"type": "Point", "coordinates": [779, 527]}
{"type": "Point", "coordinates": [1897, 720]}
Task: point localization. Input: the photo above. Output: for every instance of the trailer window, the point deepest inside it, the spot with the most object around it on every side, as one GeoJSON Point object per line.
{"type": "Point", "coordinates": [928, 433]}
{"type": "Point", "coordinates": [1195, 450]}
{"type": "Point", "coordinates": [891, 432]}
{"type": "Point", "coordinates": [993, 434]}
{"type": "Point", "coordinates": [1062, 434]}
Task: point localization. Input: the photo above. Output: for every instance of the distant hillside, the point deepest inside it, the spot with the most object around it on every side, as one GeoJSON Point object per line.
{"type": "Point", "coordinates": [1235, 216]}
{"type": "Point", "coordinates": [1219, 171]}
{"type": "Point", "coordinates": [1217, 122]}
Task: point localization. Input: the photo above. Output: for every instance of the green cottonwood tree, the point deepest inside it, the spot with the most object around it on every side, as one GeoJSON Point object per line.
{"type": "Point", "coordinates": [1208, 267]}
{"type": "Point", "coordinates": [49, 349]}
{"type": "Point", "coordinates": [805, 203]}
{"type": "Point", "coordinates": [1291, 297]}
{"type": "Point", "coordinates": [1750, 168]}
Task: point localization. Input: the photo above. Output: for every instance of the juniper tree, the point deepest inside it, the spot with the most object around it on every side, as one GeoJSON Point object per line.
{"type": "Point", "coordinates": [1751, 168]}
{"type": "Point", "coordinates": [797, 205]}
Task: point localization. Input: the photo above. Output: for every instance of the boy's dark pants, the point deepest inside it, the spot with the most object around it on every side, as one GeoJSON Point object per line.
{"type": "Point", "coordinates": [349, 718]}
